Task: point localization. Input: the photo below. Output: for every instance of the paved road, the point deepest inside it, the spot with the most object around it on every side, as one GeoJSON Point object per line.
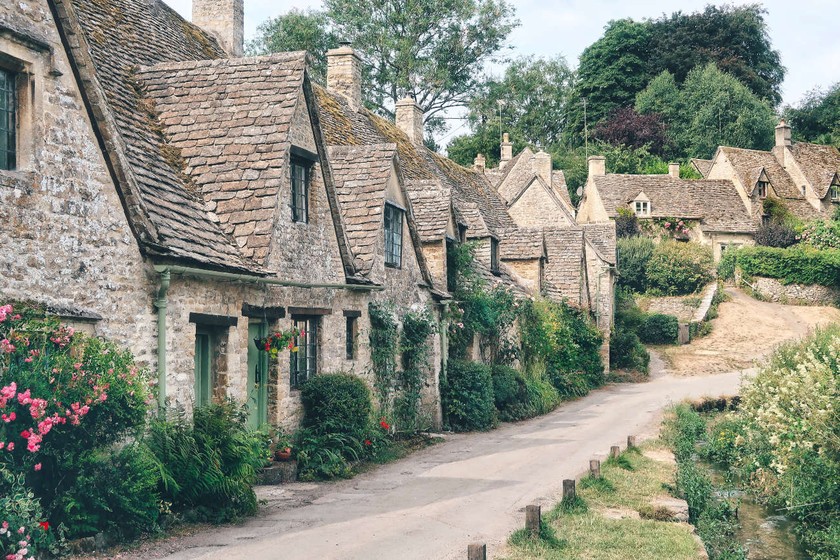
{"type": "Point", "coordinates": [470, 488]}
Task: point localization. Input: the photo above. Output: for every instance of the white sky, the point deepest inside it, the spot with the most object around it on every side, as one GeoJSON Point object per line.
{"type": "Point", "coordinates": [804, 31]}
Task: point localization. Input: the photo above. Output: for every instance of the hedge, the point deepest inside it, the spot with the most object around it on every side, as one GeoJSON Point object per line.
{"type": "Point", "coordinates": [795, 265]}
{"type": "Point", "coordinates": [659, 328]}
{"type": "Point", "coordinates": [677, 269]}
{"type": "Point", "coordinates": [467, 395]}
{"type": "Point", "coordinates": [336, 403]}
{"type": "Point", "coordinates": [634, 253]}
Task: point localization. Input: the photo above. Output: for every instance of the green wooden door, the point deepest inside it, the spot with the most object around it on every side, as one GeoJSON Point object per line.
{"type": "Point", "coordinates": [257, 377]}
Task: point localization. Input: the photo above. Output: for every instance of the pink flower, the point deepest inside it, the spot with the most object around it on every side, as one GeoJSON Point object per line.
{"type": "Point", "coordinates": [2, 444]}
{"type": "Point", "coordinates": [10, 446]}
{"type": "Point", "coordinates": [6, 346]}
{"type": "Point", "coordinates": [5, 310]}
{"type": "Point", "coordinates": [667, 224]}
{"type": "Point", "coordinates": [38, 466]}
{"type": "Point", "coordinates": [24, 398]}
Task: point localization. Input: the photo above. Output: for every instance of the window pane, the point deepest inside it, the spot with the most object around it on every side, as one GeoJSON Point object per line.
{"type": "Point", "coordinates": [8, 120]}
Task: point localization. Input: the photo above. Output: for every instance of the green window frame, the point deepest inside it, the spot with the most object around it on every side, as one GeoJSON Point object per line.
{"type": "Point", "coordinates": [494, 256]}
{"type": "Point", "coordinates": [8, 120]}
{"type": "Point", "coordinates": [301, 175]}
{"type": "Point", "coordinates": [303, 364]}
{"type": "Point", "coordinates": [393, 236]}
{"type": "Point", "coordinates": [204, 345]}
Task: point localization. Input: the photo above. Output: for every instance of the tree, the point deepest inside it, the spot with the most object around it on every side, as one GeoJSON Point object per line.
{"type": "Point", "coordinates": [712, 108]}
{"type": "Point", "coordinates": [430, 50]}
{"type": "Point", "coordinates": [735, 38]}
{"type": "Point", "coordinates": [817, 117]}
{"type": "Point", "coordinates": [626, 127]}
{"type": "Point", "coordinates": [297, 30]}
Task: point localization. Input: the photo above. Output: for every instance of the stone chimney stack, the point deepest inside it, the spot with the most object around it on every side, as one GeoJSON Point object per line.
{"type": "Point", "coordinates": [225, 20]}
{"type": "Point", "coordinates": [542, 166]}
{"type": "Point", "coordinates": [783, 135]}
{"type": "Point", "coordinates": [597, 166]}
{"type": "Point", "coordinates": [344, 74]}
{"type": "Point", "coordinates": [410, 119]}
{"type": "Point", "coordinates": [480, 163]}
{"type": "Point", "coordinates": [674, 170]}
{"type": "Point", "coordinates": [507, 151]}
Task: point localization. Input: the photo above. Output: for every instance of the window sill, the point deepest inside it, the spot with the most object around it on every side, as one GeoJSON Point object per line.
{"type": "Point", "coordinates": [17, 180]}
{"type": "Point", "coordinates": [393, 266]}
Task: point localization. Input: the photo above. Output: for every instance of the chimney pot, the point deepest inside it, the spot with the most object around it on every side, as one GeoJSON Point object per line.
{"type": "Point", "coordinates": [225, 20]}
{"type": "Point", "coordinates": [409, 119]}
{"type": "Point", "coordinates": [480, 163]}
{"type": "Point", "coordinates": [674, 170]}
{"type": "Point", "coordinates": [597, 166]}
{"type": "Point", "coordinates": [344, 74]}
{"type": "Point", "coordinates": [507, 151]}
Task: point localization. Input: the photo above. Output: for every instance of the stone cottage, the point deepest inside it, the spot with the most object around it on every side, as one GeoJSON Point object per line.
{"type": "Point", "coordinates": [711, 210]}
{"type": "Point", "coordinates": [195, 205]}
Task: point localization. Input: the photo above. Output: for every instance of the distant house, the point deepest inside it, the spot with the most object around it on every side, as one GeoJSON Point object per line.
{"type": "Point", "coordinates": [711, 210]}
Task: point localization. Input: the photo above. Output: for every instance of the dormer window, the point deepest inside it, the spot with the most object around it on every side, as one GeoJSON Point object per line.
{"type": "Point", "coordinates": [494, 256]}
{"type": "Point", "coordinates": [834, 190]}
{"type": "Point", "coordinates": [301, 177]}
{"type": "Point", "coordinates": [642, 208]}
{"type": "Point", "coordinates": [8, 120]}
{"type": "Point", "coordinates": [762, 187]}
{"type": "Point", "coordinates": [393, 235]}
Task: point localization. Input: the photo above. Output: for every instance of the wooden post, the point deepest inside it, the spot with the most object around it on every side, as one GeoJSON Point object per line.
{"type": "Point", "coordinates": [631, 442]}
{"type": "Point", "coordinates": [615, 451]}
{"type": "Point", "coordinates": [532, 520]}
{"type": "Point", "coordinates": [477, 551]}
{"type": "Point", "coordinates": [595, 468]}
{"type": "Point", "coordinates": [568, 490]}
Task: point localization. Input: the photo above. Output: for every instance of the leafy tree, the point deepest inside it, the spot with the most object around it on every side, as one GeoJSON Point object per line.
{"type": "Point", "coordinates": [426, 49]}
{"type": "Point", "coordinates": [817, 117]}
{"type": "Point", "coordinates": [735, 38]}
{"type": "Point", "coordinates": [297, 30]}
{"type": "Point", "coordinates": [712, 108]}
{"type": "Point", "coordinates": [626, 127]}
{"type": "Point", "coordinates": [612, 70]}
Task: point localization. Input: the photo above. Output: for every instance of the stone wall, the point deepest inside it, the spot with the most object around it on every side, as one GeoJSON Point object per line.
{"type": "Point", "coordinates": [225, 19]}
{"type": "Point", "coordinates": [795, 294]}
{"type": "Point", "coordinates": [537, 208]}
{"type": "Point", "coordinates": [681, 307]}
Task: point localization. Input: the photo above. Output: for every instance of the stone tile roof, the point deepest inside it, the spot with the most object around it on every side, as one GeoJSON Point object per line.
{"type": "Point", "coordinates": [715, 203]}
{"type": "Point", "coordinates": [471, 216]}
{"type": "Point", "coordinates": [564, 265]}
{"type": "Point", "coordinates": [818, 163]}
{"type": "Point", "coordinates": [703, 166]}
{"type": "Point", "coordinates": [602, 236]}
{"type": "Point", "coordinates": [108, 40]}
{"type": "Point", "coordinates": [519, 174]}
{"type": "Point", "coordinates": [432, 206]}
{"type": "Point", "coordinates": [749, 164]}
{"type": "Point", "coordinates": [229, 121]}
{"type": "Point", "coordinates": [521, 244]}
{"type": "Point", "coordinates": [361, 175]}
{"type": "Point", "coordinates": [503, 278]}
{"type": "Point", "coordinates": [558, 183]}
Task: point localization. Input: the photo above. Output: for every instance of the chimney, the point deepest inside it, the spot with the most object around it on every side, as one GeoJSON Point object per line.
{"type": "Point", "coordinates": [225, 20]}
{"type": "Point", "coordinates": [597, 166]}
{"type": "Point", "coordinates": [783, 135]}
{"type": "Point", "coordinates": [410, 119]}
{"type": "Point", "coordinates": [674, 170]}
{"type": "Point", "coordinates": [344, 74]}
{"type": "Point", "coordinates": [480, 163]}
{"type": "Point", "coordinates": [507, 151]}
{"type": "Point", "coordinates": [542, 166]}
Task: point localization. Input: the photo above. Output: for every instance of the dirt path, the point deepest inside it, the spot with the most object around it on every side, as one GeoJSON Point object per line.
{"type": "Point", "coordinates": [745, 331]}
{"type": "Point", "coordinates": [472, 487]}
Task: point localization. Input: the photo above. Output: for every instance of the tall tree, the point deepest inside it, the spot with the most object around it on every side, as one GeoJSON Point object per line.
{"type": "Point", "coordinates": [432, 50]}
{"type": "Point", "coordinates": [710, 109]}
{"type": "Point", "coordinates": [817, 117]}
{"type": "Point", "coordinates": [297, 30]}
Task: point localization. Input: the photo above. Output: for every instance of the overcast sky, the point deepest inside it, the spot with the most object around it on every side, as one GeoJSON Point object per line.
{"type": "Point", "coordinates": [804, 31]}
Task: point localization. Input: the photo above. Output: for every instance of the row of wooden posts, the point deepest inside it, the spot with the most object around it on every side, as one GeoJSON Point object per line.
{"type": "Point", "coordinates": [533, 518]}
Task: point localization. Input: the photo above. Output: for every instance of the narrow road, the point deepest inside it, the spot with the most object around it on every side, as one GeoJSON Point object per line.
{"type": "Point", "coordinates": [473, 487]}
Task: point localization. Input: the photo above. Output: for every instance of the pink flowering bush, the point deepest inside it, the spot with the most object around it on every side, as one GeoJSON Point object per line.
{"type": "Point", "coordinates": [64, 397]}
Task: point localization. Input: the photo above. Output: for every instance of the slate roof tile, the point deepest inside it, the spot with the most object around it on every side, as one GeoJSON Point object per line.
{"type": "Point", "coordinates": [521, 244]}
{"type": "Point", "coordinates": [820, 164]}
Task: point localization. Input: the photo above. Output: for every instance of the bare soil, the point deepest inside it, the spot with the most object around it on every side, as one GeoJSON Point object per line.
{"type": "Point", "coordinates": [745, 332]}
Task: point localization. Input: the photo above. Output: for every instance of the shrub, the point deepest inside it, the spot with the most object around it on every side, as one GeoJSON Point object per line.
{"type": "Point", "coordinates": [775, 234]}
{"type": "Point", "coordinates": [510, 394]}
{"type": "Point", "coordinates": [324, 456]}
{"type": "Point", "coordinates": [542, 396]}
{"type": "Point", "coordinates": [796, 265]}
{"type": "Point", "coordinates": [679, 268]}
{"type": "Point", "coordinates": [208, 465]}
{"type": "Point", "coordinates": [659, 328]}
{"type": "Point", "coordinates": [627, 352]}
{"type": "Point", "coordinates": [634, 254]}
{"type": "Point", "coordinates": [626, 224]}
{"type": "Point", "coordinates": [823, 234]}
{"type": "Point", "coordinates": [20, 508]}
{"type": "Point", "coordinates": [336, 403]}
{"type": "Point", "coordinates": [467, 396]}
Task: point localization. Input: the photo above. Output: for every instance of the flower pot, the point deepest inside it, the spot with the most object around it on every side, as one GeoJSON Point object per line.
{"type": "Point", "coordinates": [284, 454]}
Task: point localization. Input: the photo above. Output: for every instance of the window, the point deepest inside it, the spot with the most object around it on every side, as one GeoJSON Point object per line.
{"type": "Point", "coordinates": [300, 171]}
{"type": "Point", "coordinates": [350, 338]}
{"type": "Point", "coordinates": [204, 344]}
{"type": "Point", "coordinates": [393, 236]}
{"type": "Point", "coordinates": [8, 120]}
{"type": "Point", "coordinates": [762, 188]}
{"type": "Point", "coordinates": [494, 255]}
{"type": "Point", "coordinates": [642, 208]}
{"type": "Point", "coordinates": [834, 190]}
{"type": "Point", "coordinates": [304, 362]}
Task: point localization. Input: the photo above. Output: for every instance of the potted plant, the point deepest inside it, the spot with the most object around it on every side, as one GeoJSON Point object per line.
{"type": "Point", "coordinates": [283, 448]}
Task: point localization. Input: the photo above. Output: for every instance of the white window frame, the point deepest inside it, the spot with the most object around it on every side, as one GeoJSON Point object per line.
{"type": "Point", "coordinates": [641, 208]}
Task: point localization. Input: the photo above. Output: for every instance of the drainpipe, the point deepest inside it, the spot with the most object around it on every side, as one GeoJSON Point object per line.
{"type": "Point", "coordinates": [160, 304]}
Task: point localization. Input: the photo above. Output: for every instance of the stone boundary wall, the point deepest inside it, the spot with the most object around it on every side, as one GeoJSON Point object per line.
{"type": "Point", "coordinates": [681, 307]}
{"type": "Point", "coordinates": [773, 290]}
{"type": "Point", "coordinates": [709, 293]}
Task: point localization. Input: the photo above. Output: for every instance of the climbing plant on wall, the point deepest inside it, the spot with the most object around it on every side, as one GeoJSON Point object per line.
{"type": "Point", "coordinates": [383, 350]}
{"type": "Point", "coordinates": [417, 327]}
